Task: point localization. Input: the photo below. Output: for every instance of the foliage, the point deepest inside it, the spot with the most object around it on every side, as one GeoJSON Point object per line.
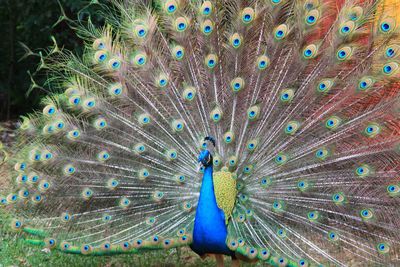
{"type": "Point", "coordinates": [33, 23]}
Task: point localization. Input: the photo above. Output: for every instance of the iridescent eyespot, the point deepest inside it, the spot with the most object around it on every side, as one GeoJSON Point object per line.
{"type": "Point", "coordinates": [393, 190]}
{"type": "Point", "coordinates": [206, 8]}
{"type": "Point", "coordinates": [312, 17]}
{"type": "Point", "coordinates": [140, 148]}
{"type": "Point", "coordinates": [322, 153]}
{"type": "Point", "coordinates": [44, 186]}
{"type": "Point", "coordinates": [372, 130]}
{"type": "Point", "coordinates": [275, 2]}
{"type": "Point", "coordinates": [229, 137]}
{"type": "Point", "coordinates": [187, 206]}
{"type": "Point", "coordinates": [383, 248]}
{"type": "Point", "coordinates": [46, 155]}
{"type": "Point", "coordinates": [178, 125]}
{"type": "Point", "coordinates": [281, 233]}
{"type": "Point", "coordinates": [344, 53]}
{"type": "Point", "coordinates": [248, 169]}
{"type": "Point", "coordinates": [33, 178]}
{"type": "Point", "coordinates": [280, 32]}
{"type": "Point", "coordinates": [310, 51]}
{"type": "Point", "coordinates": [392, 51]}
{"type": "Point", "coordinates": [158, 196]}
{"type": "Point", "coordinates": [86, 249]}
{"type": "Point", "coordinates": [87, 193]}
{"type": "Point", "coordinates": [266, 182]}
{"type": "Point", "coordinates": [387, 25]}
{"type": "Point", "coordinates": [338, 198]}
{"type": "Point", "coordinates": [100, 56]}
{"type": "Point", "coordinates": [171, 154]}
{"type": "Point", "coordinates": [16, 224]}
{"type": "Point", "coordinates": [162, 81]}
{"type": "Point", "coordinates": [262, 62]}
{"type": "Point", "coordinates": [181, 24]}
{"type": "Point", "coordinates": [114, 63]}
{"type": "Point", "coordinates": [12, 198]}
{"type": "Point", "coordinates": [313, 216]}
{"type": "Point", "coordinates": [207, 27]}
{"type": "Point", "coordinates": [303, 185]}
{"type": "Point", "coordinates": [363, 171]}
{"type": "Point", "coordinates": [237, 84]}
{"type": "Point", "coordinates": [125, 245]}
{"type": "Point", "coordinates": [211, 61]}
{"type": "Point", "coordinates": [332, 236]}
{"type": "Point", "coordinates": [365, 83]}
{"type": "Point", "coordinates": [178, 52]}
{"type": "Point", "coordinates": [65, 217]}
{"type": "Point", "coordinates": [180, 179]}
{"type": "Point", "coordinates": [292, 127]}
{"type": "Point", "coordinates": [36, 199]}
{"type": "Point", "coordinates": [217, 161]}
{"type": "Point", "coordinates": [281, 159]}
{"type": "Point", "coordinates": [144, 119]}
{"type": "Point", "coordinates": [103, 156]}
{"type": "Point", "coordinates": [355, 13]}
{"type": "Point", "coordinates": [49, 110]}
{"type": "Point", "coordinates": [107, 217]}
{"type": "Point", "coordinates": [189, 93]}
{"type": "Point", "coordinates": [248, 15]}
{"type": "Point", "coordinates": [171, 6]}
{"type": "Point", "coordinates": [89, 103]}
{"type": "Point", "coordinates": [232, 161]}
{"type": "Point", "coordinates": [143, 174]}
{"type": "Point", "coordinates": [277, 206]}
{"type": "Point", "coordinates": [287, 95]}
{"type": "Point", "coordinates": [235, 40]}
{"type": "Point", "coordinates": [69, 169]}
{"type": "Point", "coordinates": [216, 114]}
{"type": "Point", "coordinates": [115, 89]}
{"type": "Point", "coordinates": [333, 122]}
{"type": "Point", "coordinates": [74, 100]}
{"type": "Point", "coordinates": [141, 31]}
{"type": "Point", "coordinates": [124, 202]}
{"type": "Point", "coordinates": [347, 28]}
{"type": "Point", "coordinates": [100, 123]}
{"type": "Point", "coordinates": [112, 184]}
{"type": "Point", "coordinates": [390, 68]}
{"type": "Point", "coordinates": [252, 144]}
{"type": "Point", "coordinates": [99, 44]}
{"type": "Point", "coordinates": [325, 85]}
{"type": "Point", "coordinates": [264, 254]}
{"type": "Point", "coordinates": [139, 59]}
{"type": "Point", "coordinates": [253, 113]}
{"type": "Point", "coordinates": [366, 214]}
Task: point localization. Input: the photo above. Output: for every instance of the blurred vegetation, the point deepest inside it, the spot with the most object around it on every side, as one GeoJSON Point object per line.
{"type": "Point", "coordinates": [32, 23]}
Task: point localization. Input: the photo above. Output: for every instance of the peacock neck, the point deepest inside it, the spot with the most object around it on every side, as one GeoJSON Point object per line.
{"type": "Point", "coordinates": [209, 233]}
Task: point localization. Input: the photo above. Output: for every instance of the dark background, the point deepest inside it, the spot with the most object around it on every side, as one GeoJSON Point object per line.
{"type": "Point", "coordinates": [33, 22]}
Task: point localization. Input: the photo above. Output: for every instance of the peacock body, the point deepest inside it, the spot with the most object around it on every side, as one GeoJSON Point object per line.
{"type": "Point", "coordinates": [262, 129]}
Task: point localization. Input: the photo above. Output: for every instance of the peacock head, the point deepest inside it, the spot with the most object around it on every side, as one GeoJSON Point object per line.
{"type": "Point", "coordinates": [205, 156]}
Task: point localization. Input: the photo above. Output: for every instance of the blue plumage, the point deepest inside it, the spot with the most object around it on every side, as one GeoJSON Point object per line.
{"type": "Point", "coordinates": [209, 234]}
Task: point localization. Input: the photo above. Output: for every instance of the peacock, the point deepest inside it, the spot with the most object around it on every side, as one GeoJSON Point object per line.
{"type": "Point", "coordinates": [264, 130]}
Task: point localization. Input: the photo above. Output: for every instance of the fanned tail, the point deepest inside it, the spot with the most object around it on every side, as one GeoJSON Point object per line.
{"type": "Point", "coordinates": [302, 98]}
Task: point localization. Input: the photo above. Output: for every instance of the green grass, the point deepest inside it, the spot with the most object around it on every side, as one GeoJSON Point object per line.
{"type": "Point", "coordinates": [15, 252]}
